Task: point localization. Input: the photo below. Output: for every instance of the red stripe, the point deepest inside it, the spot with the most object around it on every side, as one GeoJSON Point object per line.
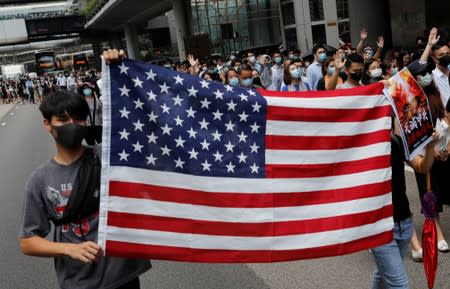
{"type": "Point", "coordinates": [327, 170]}
{"type": "Point", "coordinates": [375, 89]}
{"type": "Point", "coordinates": [326, 142]}
{"type": "Point", "coordinates": [140, 251]}
{"type": "Point", "coordinates": [269, 229]}
{"type": "Point", "coordinates": [243, 200]}
{"type": "Point", "coordinates": [326, 115]}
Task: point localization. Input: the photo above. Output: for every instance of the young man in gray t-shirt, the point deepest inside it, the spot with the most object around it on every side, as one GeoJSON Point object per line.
{"type": "Point", "coordinates": [79, 261]}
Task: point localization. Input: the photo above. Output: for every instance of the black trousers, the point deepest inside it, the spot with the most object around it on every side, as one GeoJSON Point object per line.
{"type": "Point", "coordinates": [133, 284]}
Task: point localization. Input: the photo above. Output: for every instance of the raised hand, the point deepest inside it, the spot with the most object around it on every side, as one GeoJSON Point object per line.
{"type": "Point", "coordinates": [380, 42]}
{"type": "Point", "coordinates": [192, 61]}
{"type": "Point", "coordinates": [363, 34]}
{"type": "Point", "coordinates": [433, 38]}
{"type": "Point", "coordinates": [338, 63]}
{"type": "Point", "coordinates": [113, 55]}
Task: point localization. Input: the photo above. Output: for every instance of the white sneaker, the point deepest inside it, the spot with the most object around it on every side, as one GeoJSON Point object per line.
{"type": "Point", "coordinates": [416, 255]}
{"type": "Point", "coordinates": [443, 246]}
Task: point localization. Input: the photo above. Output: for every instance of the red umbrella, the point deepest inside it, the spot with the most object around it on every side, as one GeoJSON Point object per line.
{"type": "Point", "coordinates": [429, 238]}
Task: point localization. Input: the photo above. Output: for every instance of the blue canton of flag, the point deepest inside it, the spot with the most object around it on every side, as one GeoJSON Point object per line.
{"type": "Point", "coordinates": [169, 121]}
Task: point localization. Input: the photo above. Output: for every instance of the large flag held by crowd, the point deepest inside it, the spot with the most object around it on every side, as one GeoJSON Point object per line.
{"type": "Point", "coordinates": [199, 171]}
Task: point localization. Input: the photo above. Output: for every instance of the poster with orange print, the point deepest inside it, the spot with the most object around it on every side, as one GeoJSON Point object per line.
{"type": "Point", "coordinates": [412, 112]}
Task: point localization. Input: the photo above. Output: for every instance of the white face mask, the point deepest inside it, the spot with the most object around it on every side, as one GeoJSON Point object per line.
{"type": "Point", "coordinates": [376, 73]}
{"type": "Point", "coordinates": [425, 80]}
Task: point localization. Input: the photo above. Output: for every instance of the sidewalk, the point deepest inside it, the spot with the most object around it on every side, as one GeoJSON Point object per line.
{"type": "Point", "coordinates": [5, 108]}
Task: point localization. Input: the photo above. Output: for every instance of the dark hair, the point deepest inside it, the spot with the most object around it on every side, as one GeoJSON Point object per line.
{"type": "Point", "coordinates": [438, 46]}
{"type": "Point", "coordinates": [245, 66]}
{"type": "Point", "coordinates": [447, 107]}
{"type": "Point", "coordinates": [325, 65]}
{"type": "Point", "coordinates": [420, 38]}
{"type": "Point", "coordinates": [317, 47]}
{"type": "Point", "coordinates": [353, 58]}
{"type": "Point", "coordinates": [62, 102]}
{"type": "Point", "coordinates": [435, 102]}
{"type": "Point", "coordinates": [366, 77]}
{"type": "Point", "coordinates": [230, 70]}
{"type": "Point", "coordinates": [295, 51]}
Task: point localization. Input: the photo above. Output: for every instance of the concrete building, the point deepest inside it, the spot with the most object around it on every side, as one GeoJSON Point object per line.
{"type": "Point", "coordinates": [245, 24]}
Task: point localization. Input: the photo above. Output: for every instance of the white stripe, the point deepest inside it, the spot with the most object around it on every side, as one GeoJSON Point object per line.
{"type": "Point", "coordinates": [106, 137]}
{"type": "Point", "coordinates": [299, 128]}
{"type": "Point", "coordinates": [236, 185]}
{"type": "Point", "coordinates": [246, 215]}
{"type": "Point", "coordinates": [291, 242]}
{"type": "Point", "coordinates": [335, 102]}
{"type": "Point", "coordinates": [288, 157]}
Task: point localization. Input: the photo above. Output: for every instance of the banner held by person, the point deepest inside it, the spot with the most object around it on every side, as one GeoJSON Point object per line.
{"type": "Point", "coordinates": [203, 172]}
{"type": "Point", "coordinates": [412, 112]}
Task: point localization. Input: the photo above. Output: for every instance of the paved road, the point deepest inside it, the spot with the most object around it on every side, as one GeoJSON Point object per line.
{"type": "Point", "coordinates": [24, 145]}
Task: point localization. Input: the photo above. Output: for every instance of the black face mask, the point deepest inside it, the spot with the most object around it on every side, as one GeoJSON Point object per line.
{"type": "Point", "coordinates": [356, 76]}
{"type": "Point", "coordinates": [444, 60]}
{"type": "Point", "coordinates": [70, 135]}
{"type": "Point", "coordinates": [257, 81]}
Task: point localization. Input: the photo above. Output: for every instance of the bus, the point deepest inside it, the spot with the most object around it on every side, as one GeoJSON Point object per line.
{"type": "Point", "coordinates": [45, 62]}
{"type": "Point", "coordinates": [75, 61]}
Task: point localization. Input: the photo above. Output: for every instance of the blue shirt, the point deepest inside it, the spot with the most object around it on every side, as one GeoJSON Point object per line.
{"type": "Point", "coordinates": [301, 86]}
{"type": "Point", "coordinates": [314, 74]}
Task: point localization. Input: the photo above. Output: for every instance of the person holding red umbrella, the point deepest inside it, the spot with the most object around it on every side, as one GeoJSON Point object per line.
{"type": "Point", "coordinates": [391, 271]}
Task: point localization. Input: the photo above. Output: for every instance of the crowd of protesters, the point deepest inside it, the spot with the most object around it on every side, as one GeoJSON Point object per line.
{"type": "Point", "coordinates": [326, 68]}
{"type": "Point", "coordinates": [34, 89]}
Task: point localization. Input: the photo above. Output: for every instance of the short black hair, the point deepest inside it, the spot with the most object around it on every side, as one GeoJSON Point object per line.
{"type": "Point", "coordinates": [353, 58]}
{"type": "Point", "coordinates": [438, 46]}
{"type": "Point", "coordinates": [244, 67]}
{"type": "Point", "coordinates": [62, 102]}
{"type": "Point", "coordinates": [317, 47]}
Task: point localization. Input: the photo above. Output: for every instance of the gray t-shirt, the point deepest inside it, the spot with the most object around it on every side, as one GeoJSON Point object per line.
{"type": "Point", "coordinates": [345, 85]}
{"type": "Point", "coordinates": [47, 192]}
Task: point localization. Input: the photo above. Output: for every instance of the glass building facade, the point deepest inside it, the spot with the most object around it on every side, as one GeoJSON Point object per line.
{"type": "Point", "coordinates": [237, 24]}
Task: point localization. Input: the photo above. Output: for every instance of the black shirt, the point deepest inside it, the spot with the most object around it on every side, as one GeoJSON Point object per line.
{"type": "Point", "coordinates": [399, 199]}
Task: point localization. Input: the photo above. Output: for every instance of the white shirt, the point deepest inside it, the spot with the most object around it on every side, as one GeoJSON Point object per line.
{"type": "Point", "coordinates": [61, 81]}
{"type": "Point", "coordinates": [100, 85]}
{"type": "Point", "coordinates": [71, 81]}
{"type": "Point", "coordinates": [442, 83]}
{"type": "Point", "coordinates": [277, 77]}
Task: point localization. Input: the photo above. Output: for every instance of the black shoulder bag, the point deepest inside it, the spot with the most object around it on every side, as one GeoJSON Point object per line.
{"type": "Point", "coordinates": [84, 199]}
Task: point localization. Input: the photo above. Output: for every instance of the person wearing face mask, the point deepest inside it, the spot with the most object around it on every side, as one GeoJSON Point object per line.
{"type": "Point", "coordinates": [251, 58]}
{"type": "Point", "coordinates": [422, 71]}
{"type": "Point", "coordinates": [232, 77]}
{"type": "Point", "coordinates": [277, 70]}
{"type": "Point", "coordinates": [354, 68]}
{"type": "Point", "coordinates": [71, 83]}
{"type": "Point", "coordinates": [294, 55]}
{"type": "Point", "coordinates": [314, 71]}
{"type": "Point", "coordinates": [372, 72]}
{"type": "Point", "coordinates": [71, 177]}
{"type": "Point", "coordinates": [293, 79]}
{"type": "Point", "coordinates": [246, 76]}
{"type": "Point", "coordinates": [389, 68]}
{"type": "Point", "coordinates": [61, 81]}
{"type": "Point", "coordinates": [328, 69]}
{"type": "Point", "coordinates": [441, 75]}
{"type": "Point", "coordinates": [94, 119]}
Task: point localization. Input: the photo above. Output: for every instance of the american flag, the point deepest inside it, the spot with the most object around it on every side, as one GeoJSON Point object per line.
{"type": "Point", "coordinates": [199, 171]}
